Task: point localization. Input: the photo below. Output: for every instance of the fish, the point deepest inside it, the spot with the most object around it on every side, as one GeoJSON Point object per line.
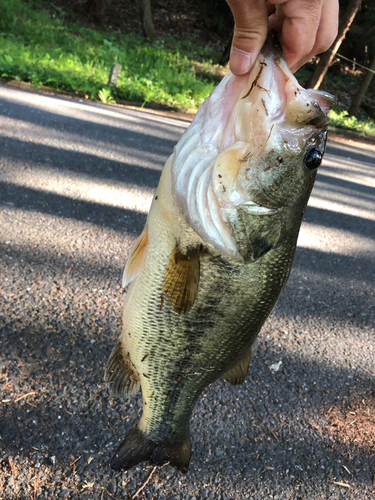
{"type": "Point", "coordinates": [216, 250]}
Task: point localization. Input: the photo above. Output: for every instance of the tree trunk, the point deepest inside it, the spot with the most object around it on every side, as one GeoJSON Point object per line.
{"type": "Point", "coordinates": [327, 58]}
{"type": "Point", "coordinates": [354, 107]}
{"type": "Point", "coordinates": [146, 17]}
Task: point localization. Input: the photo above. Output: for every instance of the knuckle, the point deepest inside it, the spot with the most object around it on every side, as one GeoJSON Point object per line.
{"type": "Point", "coordinates": [250, 32]}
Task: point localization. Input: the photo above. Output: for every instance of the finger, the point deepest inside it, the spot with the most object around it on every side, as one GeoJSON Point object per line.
{"type": "Point", "coordinates": [328, 27]}
{"type": "Point", "coordinates": [250, 33]}
{"type": "Point", "coordinates": [270, 8]}
{"type": "Point", "coordinates": [299, 27]}
{"type": "Point", "coordinates": [300, 63]}
{"type": "Point", "coordinates": [276, 20]}
{"type": "Point", "coordinates": [327, 32]}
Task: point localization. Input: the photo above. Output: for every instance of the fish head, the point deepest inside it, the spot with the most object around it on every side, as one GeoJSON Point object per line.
{"type": "Point", "coordinates": [255, 145]}
{"type": "Point", "coordinates": [276, 139]}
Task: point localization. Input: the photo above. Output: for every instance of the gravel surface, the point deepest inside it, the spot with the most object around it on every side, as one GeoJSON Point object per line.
{"type": "Point", "coordinates": [76, 180]}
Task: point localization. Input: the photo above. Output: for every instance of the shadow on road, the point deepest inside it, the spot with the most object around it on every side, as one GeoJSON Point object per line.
{"type": "Point", "coordinates": [43, 202]}
{"type": "Point", "coordinates": [93, 121]}
{"type": "Point", "coordinates": [43, 157]}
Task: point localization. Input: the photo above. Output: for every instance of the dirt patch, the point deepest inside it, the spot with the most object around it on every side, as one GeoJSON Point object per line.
{"type": "Point", "coordinates": [352, 422]}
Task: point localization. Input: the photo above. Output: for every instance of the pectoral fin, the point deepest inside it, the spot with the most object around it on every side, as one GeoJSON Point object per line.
{"type": "Point", "coordinates": [181, 281]}
{"type": "Point", "coordinates": [119, 374]}
{"type": "Point", "coordinates": [134, 262]}
{"type": "Point", "coordinates": [238, 373]}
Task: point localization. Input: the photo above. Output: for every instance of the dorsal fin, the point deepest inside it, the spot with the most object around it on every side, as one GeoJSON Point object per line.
{"type": "Point", "coordinates": [119, 375]}
{"type": "Point", "coordinates": [135, 259]}
{"type": "Point", "coordinates": [238, 373]}
{"type": "Point", "coordinates": [181, 281]}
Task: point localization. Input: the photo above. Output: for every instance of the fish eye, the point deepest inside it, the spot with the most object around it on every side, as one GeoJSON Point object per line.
{"type": "Point", "coordinates": [313, 158]}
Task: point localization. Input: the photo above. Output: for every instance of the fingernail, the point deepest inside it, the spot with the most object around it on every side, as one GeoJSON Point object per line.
{"type": "Point", "coordinates": [240, 61]}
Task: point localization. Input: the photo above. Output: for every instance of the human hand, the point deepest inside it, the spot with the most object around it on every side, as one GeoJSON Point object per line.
{"type": "Point", "coordinates": [305, 28]}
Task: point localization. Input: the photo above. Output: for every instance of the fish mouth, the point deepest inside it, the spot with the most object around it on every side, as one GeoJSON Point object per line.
{"type": "Point", "coordinates": [323, 100]}
{"type": "Point", "coordinates": [284, 118]}
{"type": "Point", "coordinates": [278, 97]}
{"type": "Point", "coordinates": [273, 104]}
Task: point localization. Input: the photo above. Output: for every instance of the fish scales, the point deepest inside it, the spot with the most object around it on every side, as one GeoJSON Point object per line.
{"type": "Point", "coordinates": [216, 251]}
{"type": "Point", "coordinates": [204, 350]}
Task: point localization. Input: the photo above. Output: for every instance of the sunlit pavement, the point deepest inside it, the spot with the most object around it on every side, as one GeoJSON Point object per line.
{"type": "Point", "coordinates": [76, 181]}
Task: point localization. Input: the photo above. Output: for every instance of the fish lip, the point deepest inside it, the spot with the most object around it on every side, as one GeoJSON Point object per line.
{"type": "Point", "coordinates": [321, 120]}
{"type": "Point", "coordinates": [272, 46]}
{"type": "Point", "coordinates": [324, 100]}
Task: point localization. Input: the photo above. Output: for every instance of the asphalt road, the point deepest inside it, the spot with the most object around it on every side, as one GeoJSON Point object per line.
{"type": "Point", "coordinates": [76, 180]}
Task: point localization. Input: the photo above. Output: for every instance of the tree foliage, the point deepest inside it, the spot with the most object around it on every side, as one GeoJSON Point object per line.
{"type": "Point", "coordinates": [327, 58]}
{"type": "Point", "coordinates": [359, 43]}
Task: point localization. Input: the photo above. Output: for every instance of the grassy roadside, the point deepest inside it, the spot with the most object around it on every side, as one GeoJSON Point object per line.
{"type": "Point", "coordinates": [39, 47]}
{"type": "Point", "coordinates": [362, 125]}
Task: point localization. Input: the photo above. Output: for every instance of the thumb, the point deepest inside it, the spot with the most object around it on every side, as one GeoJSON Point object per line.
{"type": "Point", "coordinates": [250, 33]}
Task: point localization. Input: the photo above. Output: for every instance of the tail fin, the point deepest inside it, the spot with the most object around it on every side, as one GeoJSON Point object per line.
{"type": "Point", "coordinates": [136, 448]}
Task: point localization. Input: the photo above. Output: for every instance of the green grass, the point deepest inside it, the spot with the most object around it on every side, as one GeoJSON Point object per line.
{"type": "Point", "coordinates": [364, 125]}
{"type": "Point", "coordinates": [38, 48]}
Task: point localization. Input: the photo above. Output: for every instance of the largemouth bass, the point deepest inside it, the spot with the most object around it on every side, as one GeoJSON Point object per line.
{"type": "Point", "coordinates": [216, 250]}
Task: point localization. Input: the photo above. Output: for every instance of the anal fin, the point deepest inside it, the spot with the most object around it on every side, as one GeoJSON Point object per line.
{"type": "Point", "coordinates": [238, 373]}
{"type": "Point", "coordinates": [119, 374]}
{"type": "Point", "coordinates": [137, 447]}
{"type": "Point", "coordinates": [181, 281]}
